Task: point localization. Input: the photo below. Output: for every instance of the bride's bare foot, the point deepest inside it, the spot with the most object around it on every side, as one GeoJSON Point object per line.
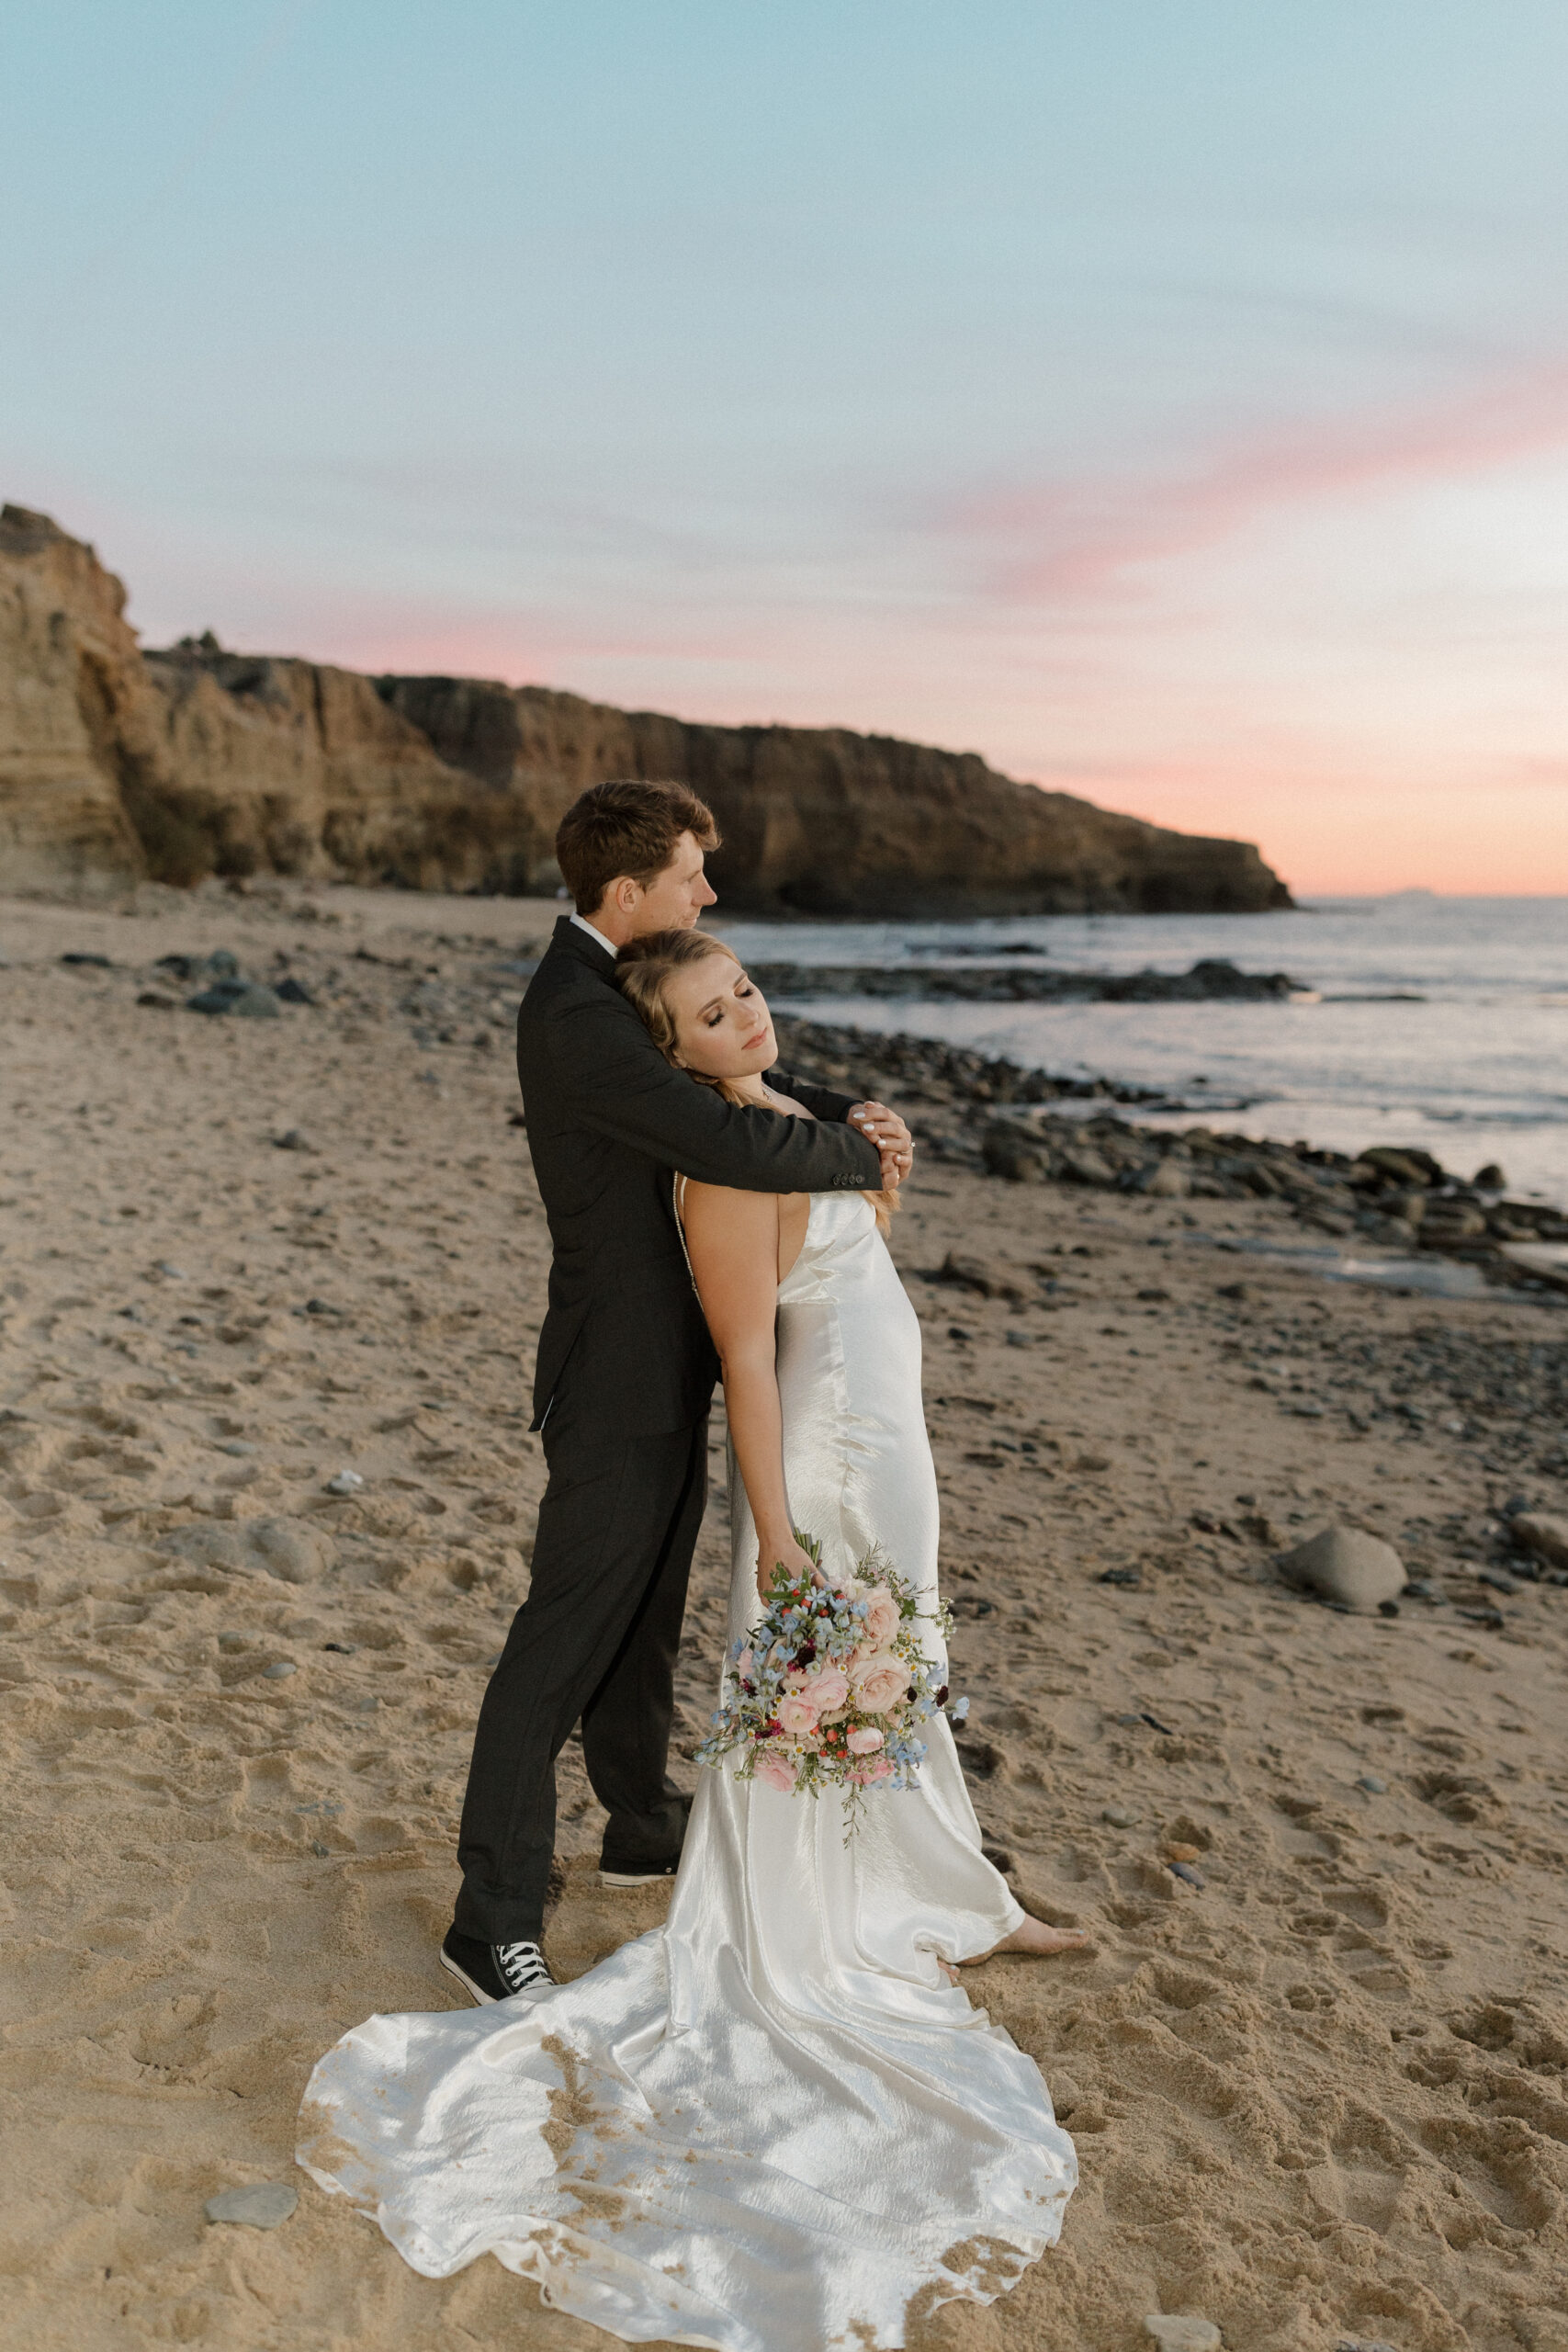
{"type": "Point", "coordinates": [1036, 1942]}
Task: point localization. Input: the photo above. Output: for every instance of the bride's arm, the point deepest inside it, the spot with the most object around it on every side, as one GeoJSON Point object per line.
{"type": "Point", "coordinates": [733, 1241]}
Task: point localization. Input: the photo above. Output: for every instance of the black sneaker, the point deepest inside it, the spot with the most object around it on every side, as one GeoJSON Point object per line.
{"type": "Point", "coordinates": [496, 1971]}
{"type": "Point", "coordinates": [638, 1874]}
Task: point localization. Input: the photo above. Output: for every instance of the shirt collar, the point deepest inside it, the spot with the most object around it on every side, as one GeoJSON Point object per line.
{"type": "Point", "coordinates": [594, 934]}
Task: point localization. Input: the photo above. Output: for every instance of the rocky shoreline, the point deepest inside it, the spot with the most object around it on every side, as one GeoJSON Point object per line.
{"type": "Point", "coordinates": [991, 1115]}
{"type": "Point", "coordinates": [968, 1109]}
{"type": "Point", "coordinates": [1213, 980]}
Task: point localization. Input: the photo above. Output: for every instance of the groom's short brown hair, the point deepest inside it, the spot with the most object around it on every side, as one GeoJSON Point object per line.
{"type": "Point", "coordinates": [626, 827]}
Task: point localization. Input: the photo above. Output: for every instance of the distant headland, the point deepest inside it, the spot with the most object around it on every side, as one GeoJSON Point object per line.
{"type": "Point", "coordinates": [119, 765]}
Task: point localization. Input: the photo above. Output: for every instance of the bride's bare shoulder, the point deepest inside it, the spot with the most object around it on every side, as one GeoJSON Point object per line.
{"type": "Point", "coordinates": [720, 1208]}
{"type": "Point", "coordinates": [732, 1244]}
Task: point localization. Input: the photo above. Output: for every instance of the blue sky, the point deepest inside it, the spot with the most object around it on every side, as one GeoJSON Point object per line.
{"type": "Point", "coordinates": [1168, 400]}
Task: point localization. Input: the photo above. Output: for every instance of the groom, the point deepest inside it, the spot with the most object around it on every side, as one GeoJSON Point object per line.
{"type": "Point", "coordinates": [625, 1376]}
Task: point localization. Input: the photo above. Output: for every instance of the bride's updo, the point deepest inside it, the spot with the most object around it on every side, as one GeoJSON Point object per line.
{"type": "Point", "coordinates": [643, 971]}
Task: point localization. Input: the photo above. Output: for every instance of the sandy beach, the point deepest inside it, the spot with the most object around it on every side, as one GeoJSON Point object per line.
{"type": "Point", "coordinates": [269, 1291]}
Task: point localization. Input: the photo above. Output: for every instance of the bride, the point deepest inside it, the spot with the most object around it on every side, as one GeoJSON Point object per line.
{"type": "Point", "coordinates": [775, 2124]}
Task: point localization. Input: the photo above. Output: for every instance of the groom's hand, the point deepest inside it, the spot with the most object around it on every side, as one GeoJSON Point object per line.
{"type": "Point", "coordinates": [891, 1137]}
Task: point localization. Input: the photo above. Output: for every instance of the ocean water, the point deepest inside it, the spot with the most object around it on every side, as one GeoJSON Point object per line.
{"type": "Point", "coordinates": [1472, 1065]}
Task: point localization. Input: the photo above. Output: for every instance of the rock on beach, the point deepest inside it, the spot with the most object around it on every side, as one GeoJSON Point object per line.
{"type": "Point", "coordinates": [1544, 1534]}
{"type": "Point", "coordinates": [1345, 1564]}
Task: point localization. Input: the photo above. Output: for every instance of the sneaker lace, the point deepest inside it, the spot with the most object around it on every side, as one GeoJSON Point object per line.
{"type": "Point", "coordinates": [523, 1966]}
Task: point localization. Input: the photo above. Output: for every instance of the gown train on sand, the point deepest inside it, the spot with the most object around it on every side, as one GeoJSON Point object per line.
{"type": "Point", "coordinates": [771, 2125]}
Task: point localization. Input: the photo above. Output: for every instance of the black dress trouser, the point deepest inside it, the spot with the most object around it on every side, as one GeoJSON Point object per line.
{"type": "Point", "coordinates": [595, 1641]}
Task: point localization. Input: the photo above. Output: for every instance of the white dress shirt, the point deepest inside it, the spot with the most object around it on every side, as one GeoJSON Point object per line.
{"type": "Point", "coordinates": [583, 924]}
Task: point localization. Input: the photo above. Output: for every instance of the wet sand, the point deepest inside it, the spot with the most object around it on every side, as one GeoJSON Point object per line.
{"type": "Point", "coordinates": [1322, 2093]}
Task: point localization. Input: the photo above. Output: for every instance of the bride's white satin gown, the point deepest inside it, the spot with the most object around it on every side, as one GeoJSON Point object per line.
{"type": "Point", "coordinates": [771, 2125]}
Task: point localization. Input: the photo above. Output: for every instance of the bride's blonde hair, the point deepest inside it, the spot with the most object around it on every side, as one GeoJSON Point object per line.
{"type": "Point", "coordinates": [643, 971]}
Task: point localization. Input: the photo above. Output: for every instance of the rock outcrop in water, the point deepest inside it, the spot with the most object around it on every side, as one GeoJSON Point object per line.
{"type": "Point", "coordinates": [1215, 980]}
{"type": "Point", "coordinates": [116, 764]}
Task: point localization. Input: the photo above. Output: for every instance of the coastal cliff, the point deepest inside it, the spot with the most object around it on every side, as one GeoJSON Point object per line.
{"type": "Point", "coordinates": [823, 821]}
{"type": "Point", "coordinates": [77, 725]}
{"type": "Point", "coordinates": [116, 764]}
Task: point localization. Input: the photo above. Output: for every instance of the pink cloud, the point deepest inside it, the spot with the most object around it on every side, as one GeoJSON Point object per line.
{"type": "Point", "coordinates": [361, 627]}
{"type": "Point", "coordinates": [525, 649]}
{"type": "Point", "coordinates": [1073, 541]}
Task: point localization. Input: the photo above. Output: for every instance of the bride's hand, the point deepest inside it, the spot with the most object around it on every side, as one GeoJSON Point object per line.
{"type": "Point", "coordinates": [886, 1130]}
{"type": "Point", "coordinates": [783, 1552]}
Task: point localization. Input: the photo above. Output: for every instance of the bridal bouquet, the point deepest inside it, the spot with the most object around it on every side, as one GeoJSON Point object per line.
{"type": "Point", "coordinates": [831, 1687]}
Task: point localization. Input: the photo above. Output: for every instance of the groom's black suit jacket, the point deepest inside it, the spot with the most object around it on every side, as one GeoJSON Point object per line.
{"type": "Point", "coordinates": [608, 1122]}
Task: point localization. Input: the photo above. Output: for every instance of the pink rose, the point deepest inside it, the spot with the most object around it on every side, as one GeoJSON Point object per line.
{"type": "Point", "coordinates": [881, 1619]}
{"type": "Point", "coordinates": [776, 1771]}
{"type": "Point", "coordinates": [745, 1665]}
{"type": "Point", "coordinates": [829, 1689]}
{"type": "Point", "coordinates": [878, 1682]}
{"type": "Point", "coordinates": [797, 1712]}
{"type": "Point", "coordinates": [863, 1742]}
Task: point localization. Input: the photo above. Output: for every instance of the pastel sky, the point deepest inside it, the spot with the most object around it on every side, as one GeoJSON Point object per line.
{"type": "Point", "coordinates": [1167, 398]}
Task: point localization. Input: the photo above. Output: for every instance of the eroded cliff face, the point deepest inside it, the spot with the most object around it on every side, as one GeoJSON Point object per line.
{"type": "Point", "coordinates": [284, 766]}
{"type": "Point", "coordinates": [827, 822]}
{"type": "Point", "coordinates": [823, 821]}
{"type": "Point", "coordinates": [115, 763]}
{"type": "Point", "coordinates": [77, 725]}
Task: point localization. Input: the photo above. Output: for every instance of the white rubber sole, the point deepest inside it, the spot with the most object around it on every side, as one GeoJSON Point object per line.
{"type": "Point", "coordinates": [633, 1878]}
{"type": "Point", "coordinates": [486, 2000]}
{"type": "Point", "coordinates": [491, 2000]}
